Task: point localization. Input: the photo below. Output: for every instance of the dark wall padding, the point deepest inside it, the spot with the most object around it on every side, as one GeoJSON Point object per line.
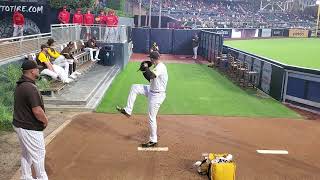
{"type": "Point", "coordinates": [296, 87]}
{"type": "Point", "coordinates": [182, 41]}
{"type": "Point", "coordinates": [175, 41]}
{"type": "Point", "coordinates": [210, 45]}
{"type": "Point", "coordinates": [304, 89]}
{"type": "Point", "coordinates": [313, 91]}
{"type": "Point", "coordinates": [277, 32]}
{"type": "Point", "coordinates": [276, 83]}
{"type": "Point", "coordinates": [154, 21]}
{"type": "Point", "coordinates": [121, 53]}
{"type": "Point", "coordinates": [163, 37]}
{"type": "Point", "coordinates": [141, 40]}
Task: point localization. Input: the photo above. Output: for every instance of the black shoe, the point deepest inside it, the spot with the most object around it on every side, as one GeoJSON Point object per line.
{"type": "Point", "coordinates": [149, 144]}
{"type": "Point", "coordinates": [122, 111]}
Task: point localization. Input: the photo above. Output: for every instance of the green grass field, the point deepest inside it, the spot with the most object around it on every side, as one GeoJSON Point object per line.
{"type": "Point", "coordinates": [194, 89]}
{"type": "Point", "coordinates": [298, 52]}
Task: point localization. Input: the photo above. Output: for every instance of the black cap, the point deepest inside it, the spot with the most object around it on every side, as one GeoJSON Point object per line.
{"type": "Point", "coordinates": [27, 65]}
{"type": "Point", "coordinates": [154, 55]}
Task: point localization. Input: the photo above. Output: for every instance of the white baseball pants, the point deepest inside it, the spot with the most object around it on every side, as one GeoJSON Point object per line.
{"type": "Point", "coordinates": [32, 153]}
{"type": "Point", "coordinates": [111, 34]}
{"type": "Point", "coordinates": [62, 62]}
{"type": "Point", "coordinates": [91, 50]}
{"type": "Point", "coordinates": [154, 102]}
{"type": "Point", "coordinates": [195, 52]}
{"type": "Point", "coordinates": [17, 30]}
{"type": "Point", "coordinates": [59, 72]}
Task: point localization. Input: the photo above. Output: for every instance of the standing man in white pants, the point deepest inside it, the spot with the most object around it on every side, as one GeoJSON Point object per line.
{"type": "Point", "coordinates": [195, 45]}
{"type": "Point", "coordinates": [155, 92]}
{"type": "Point", "coordinates": [29, 121]}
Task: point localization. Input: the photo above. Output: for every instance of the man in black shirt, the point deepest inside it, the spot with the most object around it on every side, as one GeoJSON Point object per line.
{"type": "Point", "coordinates": [67, 53]}
{"type": "Point", "coordinates": [91, 46]}
{"type": "Point", "coordinates": [154, 47]}
{"type": "Point", "coordinates": [29, 121]}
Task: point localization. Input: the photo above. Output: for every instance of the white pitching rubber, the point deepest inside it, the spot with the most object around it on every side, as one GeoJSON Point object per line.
{"type": "Point", "coordinates": [153, 149]}
{"type": "Point", "coordinates": [272, 152]}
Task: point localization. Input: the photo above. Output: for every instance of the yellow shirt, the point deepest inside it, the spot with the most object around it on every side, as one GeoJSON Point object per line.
{"type": "Point", "coordinates": [53, 53]}
{"type": "Point", "coordinates": [43, 57]}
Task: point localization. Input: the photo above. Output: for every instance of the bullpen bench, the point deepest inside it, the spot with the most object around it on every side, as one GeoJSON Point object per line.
{"type": "Point", "coordinates": [83, 65]}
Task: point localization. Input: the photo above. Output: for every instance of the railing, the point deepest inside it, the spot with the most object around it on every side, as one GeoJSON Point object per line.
{"type": "Point", "coordinates": [18, 46]}
{"type": "Point", "coordinates": [65, 32]}
{"type": "Point", "coordinates": [72, 32]}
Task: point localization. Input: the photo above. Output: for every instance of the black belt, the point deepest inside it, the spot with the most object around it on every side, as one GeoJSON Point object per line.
{"type": "Point", "coordinates": [157, 91]}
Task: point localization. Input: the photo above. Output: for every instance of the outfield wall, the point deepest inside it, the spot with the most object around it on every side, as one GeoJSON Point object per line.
{"type": "Point", "coordinates": [241, 33]}
{"type": "Point", "coordinates": [286, 83]}
{"type": "Point", "coordinates": [170, 41]}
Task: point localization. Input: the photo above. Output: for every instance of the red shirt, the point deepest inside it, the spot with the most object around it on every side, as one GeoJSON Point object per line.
{"type": "Point", "coordinates": [112, 20]}
{"type": "Point", "coordinates": [18, 19]}
{"type": "Point", "coordinates": [64, 17]}
{"type": "Point", "coordinates": [103, 19]}
{"type": "Point", "coordinates": [88, 19]}
{"type": "Point", "coordinates": [78, 18]}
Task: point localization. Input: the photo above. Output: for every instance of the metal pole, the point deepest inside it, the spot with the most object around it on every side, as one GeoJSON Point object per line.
{"type": "Point", "coordinates": [318, 18]}
{"type": "Point", "coordinates": [159, 26]}
{"type": "Point", "coordinates": [150, 7]}
{"type": "Point", "coordinates": [139, 19]}
{"type": "Point", "coordinates": [146, 20]}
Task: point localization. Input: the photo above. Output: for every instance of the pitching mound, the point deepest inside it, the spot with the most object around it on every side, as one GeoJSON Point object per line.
{"type": "Point", "coordinates": [103, 146]}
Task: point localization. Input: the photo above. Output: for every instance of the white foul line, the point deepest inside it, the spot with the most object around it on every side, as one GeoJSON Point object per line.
{"type": "Point", "coordinates": [153, 149]}
{"type": "Point", "coordinates": [272, 152]}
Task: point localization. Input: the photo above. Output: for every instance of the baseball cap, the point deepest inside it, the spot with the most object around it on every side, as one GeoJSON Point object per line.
{"type": "Point", "coordinates": [154, 55]}
{"type": "Point", "coordinates": [27, 65]}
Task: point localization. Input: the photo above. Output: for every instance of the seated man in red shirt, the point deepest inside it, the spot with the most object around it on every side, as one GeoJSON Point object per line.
{"type": "Point", "coordinates": [18, 23]}
{"type": "Point", "coordinates": [64, 16]}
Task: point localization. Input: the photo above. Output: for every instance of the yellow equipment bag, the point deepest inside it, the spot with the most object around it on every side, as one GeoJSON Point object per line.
{"type": "Point", "coordinates": [222, 171]}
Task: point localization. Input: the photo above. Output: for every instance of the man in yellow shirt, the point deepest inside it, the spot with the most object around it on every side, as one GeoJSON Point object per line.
{"type": "Point", "coordinates": [59, 59]}
{"type": "Point", "coordinates": [52, 70]}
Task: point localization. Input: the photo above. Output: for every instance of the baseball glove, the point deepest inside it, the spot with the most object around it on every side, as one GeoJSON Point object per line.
{"type": "Point", "coordinates": [144, 65]}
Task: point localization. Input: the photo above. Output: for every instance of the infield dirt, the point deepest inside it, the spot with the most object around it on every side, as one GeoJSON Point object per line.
{"type": "Point", "coordinates": [104, 146]}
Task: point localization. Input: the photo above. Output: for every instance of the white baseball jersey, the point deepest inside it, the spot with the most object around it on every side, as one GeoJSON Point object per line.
{"type": "Point", "coordinates": [156, 95]}
{"type": "Point", "coordinates": [159, 84]}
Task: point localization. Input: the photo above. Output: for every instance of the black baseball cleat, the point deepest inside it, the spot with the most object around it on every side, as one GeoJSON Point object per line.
{"type": "Point", "coordinates": [149, 144]}
{"type": "Point", "coordinates": [122, 111]}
